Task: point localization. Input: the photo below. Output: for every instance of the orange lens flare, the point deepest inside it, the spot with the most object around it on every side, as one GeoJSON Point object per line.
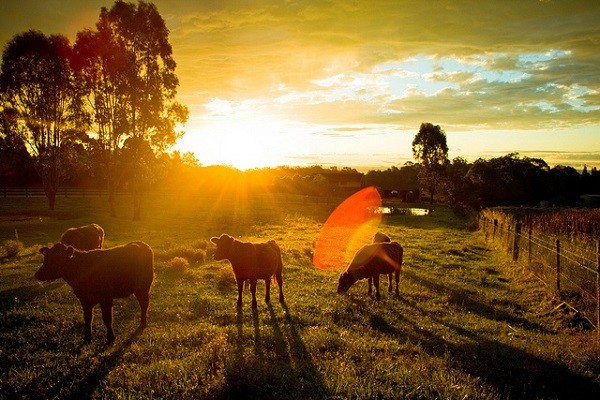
{"type": "Point", "coordinates": [349, 227]}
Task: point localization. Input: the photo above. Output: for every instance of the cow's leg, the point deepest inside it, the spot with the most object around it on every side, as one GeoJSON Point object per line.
{"type": "Point", "coordinates": [143, 299]}
{"type": "Point", "coordinates": [397, 282]}
{"type": "Point", "coordinates": [268, 290]}
{"type": "Point", "coordinates": [390, 279]}
{"type": "Point", "coordinates": [107, 317]}
{"type": "Point", "coordinates": [88, 317]}
{"type": "Point", "coordinates": [370, 280]}
{"type": "Point", "coordinates": [253, 291]}
{"type": "Point", "coordinates": [240, 284]}
{"type": "Point", "coordinates": [376, 283]}
{"type": "Point", "coordinates": [279, 279]}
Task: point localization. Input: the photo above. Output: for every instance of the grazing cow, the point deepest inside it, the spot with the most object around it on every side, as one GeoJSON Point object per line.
{"type": "Point", "coordinates": [251, 261]}
{"type": "Point", "coordinates": [99, 276]}
{"type": "Point", "coordinates": [87, 237]}
{"type": "Point", "coordinates": [370, 261]}
{"type": "Point", "coordinates": [381, 238]}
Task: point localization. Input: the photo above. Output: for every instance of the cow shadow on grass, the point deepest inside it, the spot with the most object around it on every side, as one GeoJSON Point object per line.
{"type": "Point", "coordinates": [280, 365]}
{"type": "Point", "coordinates": [75, 386]}
{"type": "Point", "coordinates": [512, 371]}
{"type": "Point", "coordinates": [469, 301]}
{"type": "Point", "coordinates": [90, 363]}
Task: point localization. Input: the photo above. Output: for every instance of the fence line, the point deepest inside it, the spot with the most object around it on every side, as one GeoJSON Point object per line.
{"type": "Point", "coordinates": [36, 191]}
{"type": "Point", "coordinates": [563, 265]}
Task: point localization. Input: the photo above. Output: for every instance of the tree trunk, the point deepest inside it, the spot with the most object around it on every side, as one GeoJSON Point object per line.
{"type": "Point", "coordinates": [51, 196]}
{"type": "Point", "coordinates": [137, 205]}
{"type": "Point", "coordinates": [111, 181]}
{"type": "Point", "coordinates": [111, 200]}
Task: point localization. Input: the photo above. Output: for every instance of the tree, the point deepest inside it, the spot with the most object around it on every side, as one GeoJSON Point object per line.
{"type": "Point", "coordinates": [457, 188]}
{"type": "Point", "coordinates": [509, 180]}
{"type": "Point", "coordinates": [39, 85]}
{"type": "Point", "coordinates": [430, 149]}
{"type": "Point", "coordinates": [564, 185]}
{"type": "Point", "coordinates": [16, 165]}
{"type": "Point", "coordinates": [128, 70]}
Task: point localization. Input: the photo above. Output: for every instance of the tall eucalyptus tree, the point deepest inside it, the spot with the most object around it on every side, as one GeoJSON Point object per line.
{"type": "Point", "coordinates": [39, 85]}
{"type": "Point", "coordinates": [129, 74]}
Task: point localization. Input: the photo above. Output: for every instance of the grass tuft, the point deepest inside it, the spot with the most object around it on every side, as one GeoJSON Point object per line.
{"type": "Point", "coordinates": [178, 265]}
{"type": "Point", "coordinates": [12, 248]}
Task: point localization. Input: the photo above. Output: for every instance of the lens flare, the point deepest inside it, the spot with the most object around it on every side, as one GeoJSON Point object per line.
{"type": "Point", "coordinates": [349, 227]}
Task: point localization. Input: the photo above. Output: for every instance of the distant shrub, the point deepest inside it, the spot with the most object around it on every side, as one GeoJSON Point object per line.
{"type": "Point", "coordinates": [201, 244]}
{"type": "Point", "coordinates": [179, 264]}
{"type": "Point", "coordinates": [13, 248]}
{"type": "Point", "coordinates": [192, 255]}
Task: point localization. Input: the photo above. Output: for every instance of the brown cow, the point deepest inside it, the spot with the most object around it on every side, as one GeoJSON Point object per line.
{"type": "Point", "coordinates": [252, 261]}
{"type": "Point", "coordinates": [370, 261]}
{"type": "Point", "coordinates": [99, 276]}
{"type": "Point", "coordinates": [87, 237]}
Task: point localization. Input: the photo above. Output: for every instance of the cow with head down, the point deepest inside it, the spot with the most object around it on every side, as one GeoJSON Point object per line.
{"type": "Point", "coordinates": [100, 276]}
{"type": "Point", "coordinates": [87, 237]}
{"type": "Point", "coordinates": [370, 261]}
{"type": "Point", "coordinates": [251, 261]}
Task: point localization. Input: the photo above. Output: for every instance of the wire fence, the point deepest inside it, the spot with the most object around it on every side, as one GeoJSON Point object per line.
{"type": "Point", "coordinates": [568, 265]}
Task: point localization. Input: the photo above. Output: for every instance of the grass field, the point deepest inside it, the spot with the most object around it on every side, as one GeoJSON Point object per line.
{"type": "Point", "coordinates": [467, 323]}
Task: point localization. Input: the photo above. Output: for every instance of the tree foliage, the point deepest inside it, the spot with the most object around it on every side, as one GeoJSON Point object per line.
{"type": "Point", "coordinates": [128, 72]}
{"type": "Point", "coordinates": [16, 164]}
{"type": "Point", "coordinates": [38, 83]}
{"type": "Point", "coordinates": [429, 147]}
{"type": "Point", "coordinates": [508, 180]}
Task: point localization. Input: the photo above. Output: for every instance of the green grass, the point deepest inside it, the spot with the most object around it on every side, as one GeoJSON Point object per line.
{"type": "Point", "coordinates": [467, 324]}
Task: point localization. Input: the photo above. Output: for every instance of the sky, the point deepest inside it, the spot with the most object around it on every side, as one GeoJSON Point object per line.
{"type": "Point", "coordinates": [348, 83]}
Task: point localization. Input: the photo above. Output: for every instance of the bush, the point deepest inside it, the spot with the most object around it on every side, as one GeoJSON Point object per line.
{"type": "Point", "coordinates": [13, 248]}
{"type": "Point", "coordinates": [179, 264]}
{"type": "Point", "coordinates": [192, 255]}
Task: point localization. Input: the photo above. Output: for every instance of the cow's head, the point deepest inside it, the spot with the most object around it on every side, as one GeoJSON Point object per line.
{"type": "Point", "coordinates": [381, 238]}
{"type": "Point", "coordinates": [346, 280]}
{"type": "Point", "coordinates": [54, 261]}
{"type": "Point", "coordinates": [223, 244]}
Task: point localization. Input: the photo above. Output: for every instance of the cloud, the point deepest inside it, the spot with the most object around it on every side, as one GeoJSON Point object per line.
{"type": "Point", "coordinates": [522, 64]}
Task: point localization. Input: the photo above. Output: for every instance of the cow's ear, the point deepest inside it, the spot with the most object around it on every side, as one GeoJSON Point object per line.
{"type": "Point", "coordinates": [227, 238]}
{"type": "Point", "coordinates": [214, 239]}
{"type": "Point", "coordinates": [70, 251]}
{"type": "Point", "coordinates": [44, 250]}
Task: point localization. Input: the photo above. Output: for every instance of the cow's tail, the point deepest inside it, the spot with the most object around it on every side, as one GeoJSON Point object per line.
{"type": "Point", "coordinates": [147, 259]}
{"type": "Point", "coordinates": [400, 258]}
{"type": "Point", "coordinates": [279, 268]}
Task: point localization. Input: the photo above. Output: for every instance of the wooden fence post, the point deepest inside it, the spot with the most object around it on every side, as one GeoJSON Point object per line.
{"type": "Point", "coordinates": [485, 228]}
{"type": "Point", "coordinates": [516, 242]}
{"type": "Point", "coordinates": [598, 287]}
{"type": "Point", "coordinates": [529, 244]}
{"type": "Point", "coordinates": [557, 264]}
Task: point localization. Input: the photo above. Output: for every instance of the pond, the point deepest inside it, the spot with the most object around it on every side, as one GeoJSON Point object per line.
{"type": "Point", "coordinates": [388, 210]}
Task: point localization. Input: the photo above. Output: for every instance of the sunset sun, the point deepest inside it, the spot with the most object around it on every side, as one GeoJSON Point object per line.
{"type": "Point", "coordinates": [240, 136]}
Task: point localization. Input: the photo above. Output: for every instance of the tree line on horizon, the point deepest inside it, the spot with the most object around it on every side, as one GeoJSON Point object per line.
{"type": "Point", "coordinates": [509, 180]}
